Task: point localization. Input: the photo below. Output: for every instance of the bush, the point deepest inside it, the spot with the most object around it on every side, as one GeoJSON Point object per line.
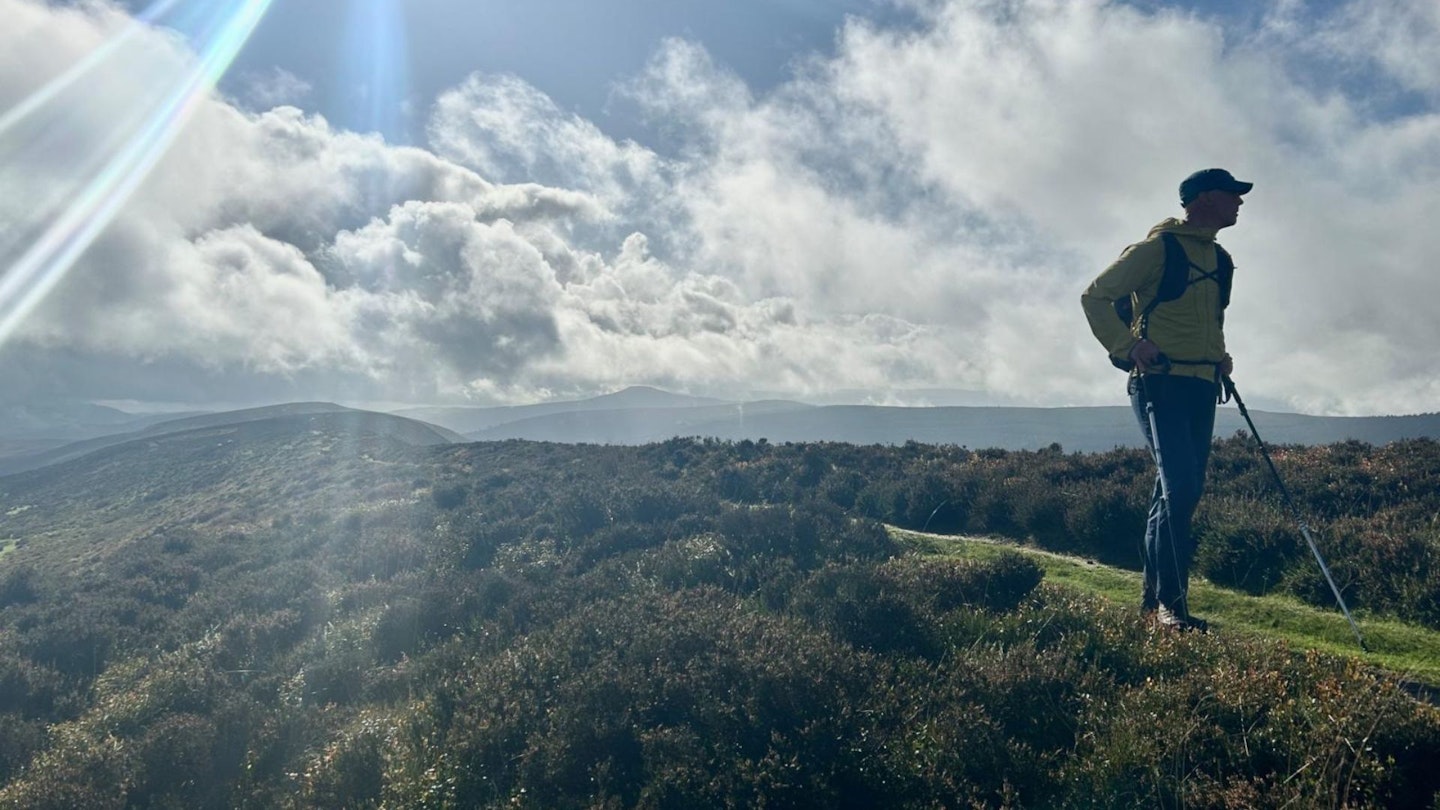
{"type": "Point", "coordinates": [1311, 732]}
{"type": "Point", "coordinates": [18, 585]}
{"type": "Point", "coordinates": [677, 700]}
{"type": "Point", "coordinates": [854, 604]}
{"type": "Point", "coordinates": [1391, 568]}
{"type": "Point", "coordinates": [1106, 519]}
{"type": "Point", "coordinates": [1245, 545]}
{"type": "Point", "coordinates": [897, 608]}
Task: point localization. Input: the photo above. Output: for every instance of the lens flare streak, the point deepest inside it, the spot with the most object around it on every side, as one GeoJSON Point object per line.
{"type": "Point", "coordinates": [42, 266]}
{"type": "Point", "coordinates": [95, 59]}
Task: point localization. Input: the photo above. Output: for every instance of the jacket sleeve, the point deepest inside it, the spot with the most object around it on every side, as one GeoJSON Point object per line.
{"type": "Point", "coordinates": [1137, 270]}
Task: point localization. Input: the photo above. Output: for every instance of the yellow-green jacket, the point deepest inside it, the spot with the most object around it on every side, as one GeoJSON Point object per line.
{"type": "Point", "coordinates": [1187, 329]}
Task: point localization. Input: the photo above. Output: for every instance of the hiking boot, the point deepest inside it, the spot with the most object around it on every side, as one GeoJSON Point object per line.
{"type": "Point", "coordinates": [1171, 619]}
{"type": "Point", "coordinates": [1148, 605]}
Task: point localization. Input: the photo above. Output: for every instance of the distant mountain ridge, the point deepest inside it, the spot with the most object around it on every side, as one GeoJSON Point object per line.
{"type": "Point", "coordinates": [469, 419]}
{"type": "Point", "coordinates": [641, 415]}
{"type": "Point", "coordinates": [1077, 429]}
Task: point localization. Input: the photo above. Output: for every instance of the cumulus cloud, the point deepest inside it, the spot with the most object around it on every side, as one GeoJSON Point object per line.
{"type": "Point", "coordinates": [920, 210]}
{"type": "Point", "coordinates": [1393, 38]}
{"type": "Point", "coordinates": [505, 129]}
{"type": "Point", "coordinates": [1048, 135]}
{"type": "Point", "coordinates": [273, 88]}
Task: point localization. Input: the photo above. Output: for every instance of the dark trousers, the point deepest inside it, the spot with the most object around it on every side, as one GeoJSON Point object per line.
{"type": "Point", "coordinates": [1184, 412]}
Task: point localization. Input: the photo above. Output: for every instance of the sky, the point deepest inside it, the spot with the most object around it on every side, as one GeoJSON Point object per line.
{"type": "Point", "coordinates": [880, 201]}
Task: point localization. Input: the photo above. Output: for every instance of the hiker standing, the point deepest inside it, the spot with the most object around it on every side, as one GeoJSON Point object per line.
{"type": "Point", "coordinates": [1170, 293]}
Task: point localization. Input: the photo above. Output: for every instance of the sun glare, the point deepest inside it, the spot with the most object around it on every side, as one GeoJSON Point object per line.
{"type": "Point", "coordinates": [375, 65]}
{"type": "Point", "coordinates": [68, 216]}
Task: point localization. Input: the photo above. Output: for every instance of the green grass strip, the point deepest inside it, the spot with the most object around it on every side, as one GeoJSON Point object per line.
{"type": "Point", "coordinates": [1408, 651]}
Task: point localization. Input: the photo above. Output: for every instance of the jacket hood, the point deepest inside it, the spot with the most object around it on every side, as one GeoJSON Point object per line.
{"type": "Point", "coordinates": [1180, 228]}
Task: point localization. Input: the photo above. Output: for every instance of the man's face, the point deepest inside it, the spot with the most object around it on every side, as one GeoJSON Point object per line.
{"type": "Point", "coordinates": [1217, 208]}
{"type": "Point", "coordinates": [1222, 206]}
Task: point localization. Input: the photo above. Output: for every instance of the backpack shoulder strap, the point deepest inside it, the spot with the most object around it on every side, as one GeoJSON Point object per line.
{"type": "Point", "coordinates": [1177, 270]}
{"type": "Point", "coordinates": [1224, 273]}
{"type": "Point", "coordinates": [1174, 278]}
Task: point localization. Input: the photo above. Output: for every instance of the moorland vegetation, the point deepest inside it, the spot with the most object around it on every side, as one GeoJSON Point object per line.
{"type": "Point", "coordinates": [326, 619]}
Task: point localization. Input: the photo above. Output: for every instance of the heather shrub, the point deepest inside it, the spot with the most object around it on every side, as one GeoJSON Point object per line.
{"type": "Point", "coordinates": [1278, 731]}
{"type": "Point", "coordinates": [349, 770]}
{"type": "Point", "coordinates": [1389, 567]}
{"type": "Point", "coordinates": [938, 586]}
{"type": "Point", "coordinates": [19, 584]}
{"type": "Point", "coordinates": [842, 488]}
{"type": "Point", "coordinates": [684, 699]}
{"type": "Point", "coordinates": [689, 562]}
{"type": "Point", "coordinates": [27, 689]}
{"type": "Point", "coordinates": [806, 533]}
{"type": "Point", "coordinates": [149, 740]}
{"type": "Point", "coordinates": [881, 500]}
{"type": "Point", "coordinates": [1244, 545]}
{"type": "Point", "coordinates": [451, 496]}
{"type": "Point", "coordinates": [483, 536]}
{"type": "Point", "coordinates": [994, 511]}
{"type": "Point", "coordinates": [616, 539]}
{"type": "Point", "coordinates": [256, 642]}
{"type": "Point", "coordinates": [946, 749]}
{"type": "Point", "coordinates": [855, 604]}
{"type": "Point", "coordinates": [20, 740]}
{"type": "Point", "coordinates": [582, 509]}
{"type": "Point", "coordinates": [1039, 511]}
{"type": "Point", "coordinates": [1105, 518]}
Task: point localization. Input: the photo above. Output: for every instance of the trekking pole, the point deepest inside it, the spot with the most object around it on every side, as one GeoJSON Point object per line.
{"type": "Point", "coordinates": [1290, 503]}
{"type": "Point", "coordinates": [1164, 487]}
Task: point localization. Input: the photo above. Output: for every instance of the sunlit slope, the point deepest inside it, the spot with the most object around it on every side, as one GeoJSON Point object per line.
{"type": "Point", "coordinates": [249, 472]}
{"type": "Point", "coordinates": [408, 430]}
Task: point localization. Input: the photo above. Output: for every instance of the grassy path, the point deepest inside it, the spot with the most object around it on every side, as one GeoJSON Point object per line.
{"type": "Point", "coordinates": [1411, 652]}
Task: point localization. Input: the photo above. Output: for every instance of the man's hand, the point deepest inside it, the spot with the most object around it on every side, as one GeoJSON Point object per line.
{"type": "Point", "coordinates": [1227, 366]}
{"type": "Point", "coordinates": [1147, 357]}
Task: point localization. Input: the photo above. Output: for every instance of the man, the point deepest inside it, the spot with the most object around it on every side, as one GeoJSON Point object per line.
{"type": "Point", "coordinates": [1176, 352]}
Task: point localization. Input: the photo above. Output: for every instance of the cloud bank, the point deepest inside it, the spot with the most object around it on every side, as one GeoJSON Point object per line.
{"type": "Point", "coordinates": [920, 211]}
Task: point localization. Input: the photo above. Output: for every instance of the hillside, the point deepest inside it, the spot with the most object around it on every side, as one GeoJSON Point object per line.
{"type": "Point", "coordinates": [63, 420]}
{"type": "Point", "coordinates": [321, 610]}
{"type": "Point", "coordinates": [29, 428]}
{"type": "Point", "coordinates": [409, 430]}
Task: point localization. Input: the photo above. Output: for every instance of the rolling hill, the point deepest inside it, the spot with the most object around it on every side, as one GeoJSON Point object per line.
{"type": "Point", "coordinates": [345, 609]}
{"type": "Point", "coordinates": [408, 430]}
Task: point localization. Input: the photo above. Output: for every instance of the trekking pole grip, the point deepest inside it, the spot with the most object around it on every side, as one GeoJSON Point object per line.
{"type": "Point", "coordinates": [1230, 391]}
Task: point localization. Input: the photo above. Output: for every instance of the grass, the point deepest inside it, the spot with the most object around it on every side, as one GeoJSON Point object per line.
{"type": "Point", "coordinates": [8, 545]}
{"type": "Point", "coordinates": [1408, 651]}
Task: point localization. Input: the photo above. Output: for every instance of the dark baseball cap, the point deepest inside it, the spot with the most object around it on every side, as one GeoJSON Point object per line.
{"type": "Point", "coordinates": [1210, 180]}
